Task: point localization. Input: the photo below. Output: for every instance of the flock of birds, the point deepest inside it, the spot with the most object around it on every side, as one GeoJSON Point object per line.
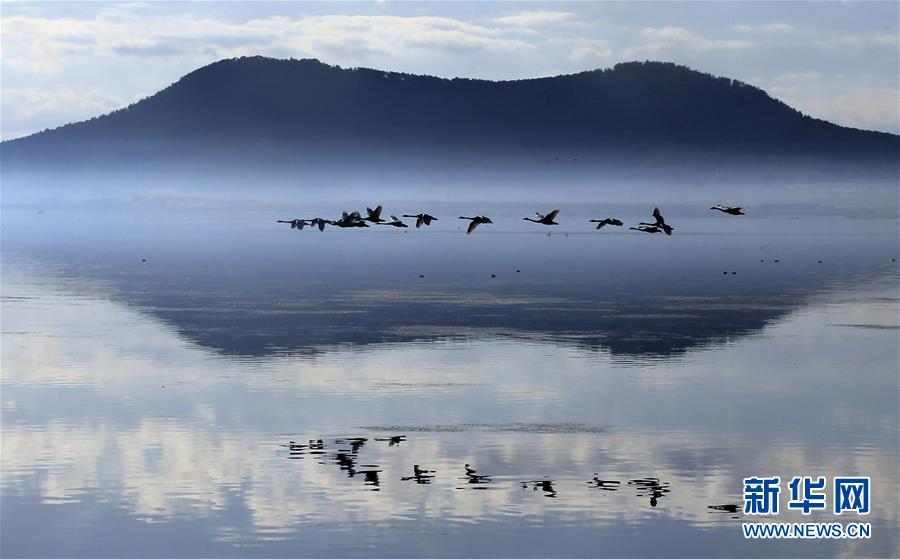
{"type": "Point", "coordinates": [355, 219]}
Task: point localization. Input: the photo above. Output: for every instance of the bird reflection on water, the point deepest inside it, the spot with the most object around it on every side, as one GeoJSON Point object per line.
{"type": "Point", "coordinates": [473, 478]}
{"type": "Point", "coordinates": [652, 487]}
{"type": "Point", "coordinates": [420, 475]}
{"type": "Point", "coordinates": [346, 455]}
{"type": "Point", "coordinates": [604, 484]}
{"type": "Point", "coordinates": [545, 485]}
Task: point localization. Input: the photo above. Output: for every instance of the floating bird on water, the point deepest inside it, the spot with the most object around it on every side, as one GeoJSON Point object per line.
{"type": "Point", "coordinates": [728, 210]}
{"type": "Point", "coordinates": [395, 221]}
{"type": "Point", "coordinates": [476, 221]}
{"type": "Point", "coordinates": [660, 222]}
{"type": "Point", "coordinates": [647, 229]}
{"type": "Point", "coordinates": [422, 218]}
{"type": "Point", "coordinates": [601, 223]}
{"type": "Point", "coordinates": [374, 215]}
{"type": "Point", "coordinates": [544, 219]}
{"type": "Point", "coordinates": [295, 223]}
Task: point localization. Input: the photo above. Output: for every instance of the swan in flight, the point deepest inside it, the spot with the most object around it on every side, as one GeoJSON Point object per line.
{"type": "Point", "coordinates": [476, 221]}
{"type": "Point", "coordinates": [728, 209]}
{"type": "Point", "coordinates": [544, 219]}
{"type": "Point", "coordinates": [601, 223]}
{"type": "Point", "coordinates": [647, 229]}
{"type": "Point", "coordinates": [374, 215]}
{"type": "Point", "coordinates": [352, 219]}
{"type": "Point", "coordinates": [395, 221]}
{"type": "Point", "coordinates": [660, 223]}
{"type": "Point", "coordinates": [422, 218]}
{"type": "Point", "coordinates": [295, 223]}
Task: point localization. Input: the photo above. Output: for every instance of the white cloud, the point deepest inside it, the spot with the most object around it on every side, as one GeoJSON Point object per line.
{"type": "Point", "coordinates": [764, 28]}
{"type": "Point", "coordinates": [535, 18]}
{"type": "Point", "coordinates": [663, 39]}
{"type": "Point", "coordinates": [869, 108]}
{"type": "Point", "coordinates": [878, 40]}
{"type": "Point", "coordinates": [29, 102]}
{"type": "Point", "coordinates": [804, 76]}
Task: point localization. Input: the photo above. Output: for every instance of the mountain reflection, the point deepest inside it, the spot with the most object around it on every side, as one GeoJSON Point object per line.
{"type": "Point", "coordinates": [264, 294]}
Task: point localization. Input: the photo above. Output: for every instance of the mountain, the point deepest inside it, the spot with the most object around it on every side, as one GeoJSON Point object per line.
{"type": "Point", "coordinates": [252, 114]}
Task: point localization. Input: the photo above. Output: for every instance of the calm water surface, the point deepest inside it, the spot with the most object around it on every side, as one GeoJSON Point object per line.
{"type": "Point", "coordinates": [224, 386]}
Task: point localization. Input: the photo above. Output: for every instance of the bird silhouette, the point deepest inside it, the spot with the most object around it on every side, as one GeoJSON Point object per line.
{"type": "Point", "coordinates": [544, 219]}
{"type": "Point", "coordinates": [422, 218]}
{"type": "Point", "coordinates": [647, 229]}
{"type": "Point", "coordinates": [295, 223]}
{"type": "Point", "coordinates": [660, 222]}
{"type": "Point", "coordinates": [395, 221]}
{"type": "Point", "coordinates": [476, 221]}
{"type": "Point", "coordinates": [601, 223]}
{"type": "Point", "coordinates": [318, 222]}
{"type": "Point", "coordinates": [728, 209]}
{"type": "Point", "coordinates": [352, 219]}
{"type": "Point", "coordinates": [374, 215]}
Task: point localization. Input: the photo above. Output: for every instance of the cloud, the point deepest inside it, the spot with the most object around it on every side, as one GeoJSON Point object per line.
{"type": "Point", "coordinates": [662, 39]}
{"type": "Point", "coordinates": [804, 76]}
{"type": "Point", "coordinates": [878, 40]}
{"type": "Point", "coordinates": [535, 18]}
{"type": "Point", "coordinates": [868, 108]}
{"type": "Point", "coordinates": [37, 43]}
{"type": "Point", "coordinates": [764, 28]}
{"type": "Point", "coordinates": [25, 103]}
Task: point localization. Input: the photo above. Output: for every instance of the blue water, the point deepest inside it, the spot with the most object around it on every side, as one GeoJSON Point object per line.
{"type": "Point", "coordinates": [609, 390]}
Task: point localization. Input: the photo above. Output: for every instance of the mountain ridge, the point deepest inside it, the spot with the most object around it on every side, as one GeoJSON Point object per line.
{"type": "Point", "coordinates": [258, 111]}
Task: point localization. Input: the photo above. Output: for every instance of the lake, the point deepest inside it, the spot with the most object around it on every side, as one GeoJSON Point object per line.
{"type": "Point", "coordinates": [213, 383]}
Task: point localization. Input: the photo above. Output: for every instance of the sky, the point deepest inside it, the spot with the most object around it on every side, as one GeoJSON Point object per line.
{"type": "Point", "coordinates": [67, 61]}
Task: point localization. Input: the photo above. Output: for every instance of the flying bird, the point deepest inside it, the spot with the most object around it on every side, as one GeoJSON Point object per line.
{"type": "Point", "coordinates": [647, 229]}
{"type": "Point", "coordinates": [601, 223]}
{"type": "Point", "coordinates": [476, 221]}
{"type": "Point", "coordinates": [728, 209]}
{"type": "Point", "coordinates": [422, 218]}
{"type": "Point", "coordinates": [318, 222]}
{"type": "Point", "coordinates": [374, 215]}
{"type": "Point", "coordinates": [660, 222]}
{"type": "Point", "coordinates": [395, 221]}
{"type": "Point", "coordinates": [352, 219]}
{"type": "Point", "coordinates": [295, 223]}
{"type": "Point", "coordinates": [544, 219]}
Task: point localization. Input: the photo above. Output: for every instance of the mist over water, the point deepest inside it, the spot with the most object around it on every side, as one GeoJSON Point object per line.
{"type": "Point", "coordinates": [212, 382]}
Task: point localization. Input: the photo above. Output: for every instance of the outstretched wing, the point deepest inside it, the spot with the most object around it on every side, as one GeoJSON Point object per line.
{"type": "Point", "coordinates": [420, 220]}
{"type": "Point", "coordinates": [472, 226]}
{"type": "Point", "coordinates": [552, 215]}
{"type": "Point", "coordinates": [376, 213]}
